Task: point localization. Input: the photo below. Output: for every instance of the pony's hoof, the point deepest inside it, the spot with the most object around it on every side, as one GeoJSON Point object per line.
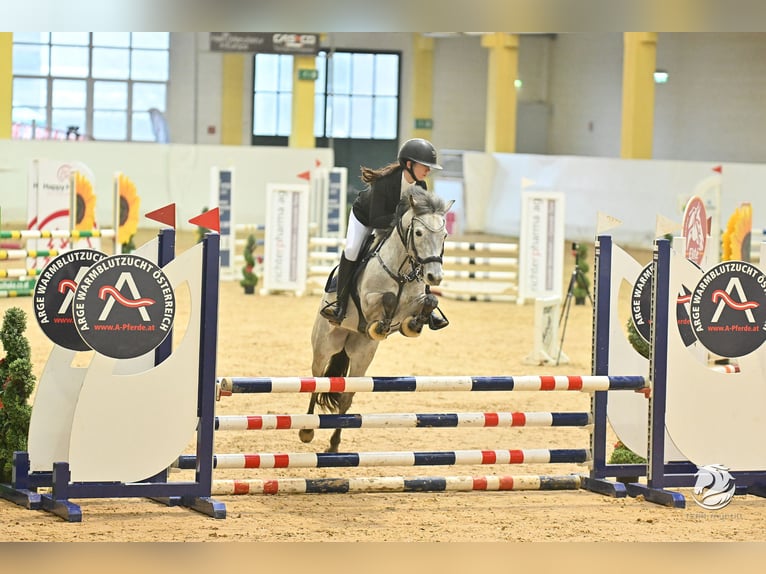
{"type": "Point", "coordinates": [376, 331]}
{"type": "Point", "coordinates": [306, 435]}
{"type": "Point", "coordinates": [411, 328]}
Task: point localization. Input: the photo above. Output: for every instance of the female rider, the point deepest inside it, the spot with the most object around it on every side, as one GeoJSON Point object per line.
{"type": "Point", "coordinates": [375, 208]}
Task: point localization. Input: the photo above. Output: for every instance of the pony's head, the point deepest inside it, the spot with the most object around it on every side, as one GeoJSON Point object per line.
{"type": "Point", "coordinates": [423, 230]}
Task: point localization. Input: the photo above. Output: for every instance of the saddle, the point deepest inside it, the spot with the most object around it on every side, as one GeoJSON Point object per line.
{"type": "Point", "coordinates": [367, 252]}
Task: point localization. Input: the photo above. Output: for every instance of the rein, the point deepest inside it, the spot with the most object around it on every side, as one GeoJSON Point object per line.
{"type": "Point", "coordinates": [401, 276]}
{"type": "Point", "coordinates": [406, 236]}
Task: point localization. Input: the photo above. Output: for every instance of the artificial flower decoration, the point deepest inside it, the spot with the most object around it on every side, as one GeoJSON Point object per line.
{"type": "Point", "coordinates": [129, 205]}
{"type": "Point", "coordinates": [736, 238]}
{"type": "Point", "coordinates": [85, 203]}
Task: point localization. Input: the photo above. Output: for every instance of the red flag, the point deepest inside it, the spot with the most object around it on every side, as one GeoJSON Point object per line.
{"type": "Point", "coordinates": [305, 175]}
{"type": "Point", "coordinates": [718, 169]}
{"type": "Point", "coordinates": [165, 215]}
{"type": "Point", "coordinates": [210, 220]}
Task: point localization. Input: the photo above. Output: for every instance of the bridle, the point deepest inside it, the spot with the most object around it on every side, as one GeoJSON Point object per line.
{"type": "Point", "coordinates": [416, 262]}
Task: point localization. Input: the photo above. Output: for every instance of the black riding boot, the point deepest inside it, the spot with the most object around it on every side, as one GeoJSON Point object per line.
{"type": "Point", "coordinates": [337, 311]}
{"type": "Point", "coordinates": [437, 320]}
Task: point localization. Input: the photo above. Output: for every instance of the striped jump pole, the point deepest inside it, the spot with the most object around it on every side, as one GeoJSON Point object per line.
{"type": "Point", "coordinates": [490, 261]}
{"type": "Point", "coordinates": [394, 484]}
{"type": "Point", "coordinates": [334, 256]}
{"type": "Point", "coordinates": [484, 297]}
{"type": "Point", "coordinates": [468, 283]}
{"type": "Point", "coordinates": [447, 273]}
{"type": "Point", "coordinates": [465, 274]}
{"type": "Point", "coordinates": [582, 383]}
{"type": "Point", "coordinates": [56, 233]}
{"type": "Point", "coordinates": [725, 368]}
{"type": "Point", "coordinates": [392, 458]}
{"type": "Point", "coordinates": [7, 254]}
{"type": "Point", "coordinates": [5, 293]}
{"type": "Point", "coordinates": [493, 247]}
{"type": "Point", "coordinates": [8, 273]}
{"type": "Point", "coordinates": [402, 420]}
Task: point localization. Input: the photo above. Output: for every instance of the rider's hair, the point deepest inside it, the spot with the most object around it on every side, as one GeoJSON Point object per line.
{"type": "Point", "coordinates": [370, 175]}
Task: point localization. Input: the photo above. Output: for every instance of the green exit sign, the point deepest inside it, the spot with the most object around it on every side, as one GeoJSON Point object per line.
{"type": "Point", "coordinates": [424, 123]}
{"type": "Point", "coordinates": [307, 74]}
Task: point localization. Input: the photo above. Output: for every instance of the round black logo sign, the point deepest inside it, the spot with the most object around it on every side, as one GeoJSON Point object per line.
{"type": "Point", "coordinates": [124, 306]}
{"type": "Point", "coordinates": [728, 309]}
{"type": "Point", "coordinates": [54, 296]}
{"type": "Point", "coordinates": [641, 302]}
{"type": "Point", "coordinates": [641, 308]}
{"type": "Point", "coordinates": [682, 317]}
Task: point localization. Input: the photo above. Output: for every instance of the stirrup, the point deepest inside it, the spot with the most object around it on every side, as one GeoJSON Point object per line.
{"type": "Point", "coordinates": [333, 313]}
{"type": "Point", "coordinates": [438, 320]}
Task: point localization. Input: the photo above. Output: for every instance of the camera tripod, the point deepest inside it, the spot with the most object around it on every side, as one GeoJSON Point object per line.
{"type": "Point", "coordinates": [576, 277]}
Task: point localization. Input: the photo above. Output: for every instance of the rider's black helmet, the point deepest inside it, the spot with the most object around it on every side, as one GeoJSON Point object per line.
{"type": "Point", "coordinates": [419, 150]}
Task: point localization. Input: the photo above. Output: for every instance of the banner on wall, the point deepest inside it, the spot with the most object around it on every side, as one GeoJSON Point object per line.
{"type": "Point", "coordinates": [285, 250]}
{"type": "Point", "coordinates": [541, 245]}
{"type": "Point", "coordinates": [264, 42]}
{"type": "Point", "coordinates": [222, 192]}
{"type": "Point", "coordinates": [60, 195]}
{"type": "Point", "coordinates": [328, 201]}
{"type": "Point", "coordinates": [335, 214]}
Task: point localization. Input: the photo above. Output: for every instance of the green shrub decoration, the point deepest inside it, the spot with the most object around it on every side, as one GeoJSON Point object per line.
{"type": "Point", "coordinates": [623, 455]}
{"type": "Point", "coordinates": [201, 231]}
{"type": "Point", "coordinates": [637, 341]}
{"type": "Point", "coordinates": [249, 278]}
{"type": "Point", "coordinates": [128, 247]}
{"type": "Point", "coordinates": [16, 385]}
{"type": "Point", "coordinates": [581, 286]}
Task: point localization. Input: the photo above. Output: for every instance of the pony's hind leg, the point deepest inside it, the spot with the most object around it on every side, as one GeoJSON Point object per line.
{"type": "Point", "coordinates": [361, 351]}
{"type": "Point", "coordinates": [307, 435]}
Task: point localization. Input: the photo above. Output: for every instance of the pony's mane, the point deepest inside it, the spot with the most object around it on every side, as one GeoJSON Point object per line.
{"type": "Point", "coordinates": [423, 202]}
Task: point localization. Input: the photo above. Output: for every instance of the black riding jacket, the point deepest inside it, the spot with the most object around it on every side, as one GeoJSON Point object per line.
{"type": "Point", "coordinates": [376, 206]}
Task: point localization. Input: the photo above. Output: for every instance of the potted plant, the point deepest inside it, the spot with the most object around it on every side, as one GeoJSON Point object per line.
{"type": "Point", "coordinates": [249, 278]}
{"type": "Point", "coordinates": [16, 385]}
{"type": "Point", "coordinates": [623, 455]}
{"type": "Point", "coordinates": [201, 231]}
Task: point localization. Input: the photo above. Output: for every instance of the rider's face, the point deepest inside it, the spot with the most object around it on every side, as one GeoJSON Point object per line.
{"type": "Point", "coordinates": [421, 171]}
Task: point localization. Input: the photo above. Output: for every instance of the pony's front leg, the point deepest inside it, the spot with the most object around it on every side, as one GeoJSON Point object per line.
{"type": "Point", "coordinates": [412, 326]}
{"type": "Point", "coordinates": [378, 329]}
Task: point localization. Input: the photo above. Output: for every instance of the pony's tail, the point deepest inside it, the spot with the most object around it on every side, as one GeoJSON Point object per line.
{"type": "Point", "coordinates": [337, 367]}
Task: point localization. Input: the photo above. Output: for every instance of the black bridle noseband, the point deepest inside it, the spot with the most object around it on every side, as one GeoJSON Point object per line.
{"type": "Point", "coordinates": [416, 262]}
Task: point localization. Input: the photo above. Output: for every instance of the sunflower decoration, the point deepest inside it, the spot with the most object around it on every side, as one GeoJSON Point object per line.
{"type": "Point", "coordinates": [129, 204]}
{"type": "Point", "coordinates": [736, 238]}
{"type": "Point", "coordinates": [85, 203]}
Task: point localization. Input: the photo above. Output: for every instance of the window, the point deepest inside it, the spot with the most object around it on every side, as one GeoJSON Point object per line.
{"type": "Point", "coordinates": [100, 84]}
{"type": "Point", "coordinates": [356, 96]}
